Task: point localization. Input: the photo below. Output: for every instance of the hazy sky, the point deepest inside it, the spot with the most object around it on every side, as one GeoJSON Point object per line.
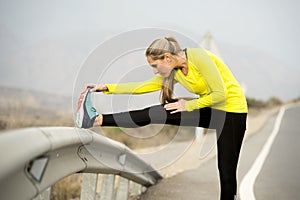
{"type": "Point", "coordinates": [270, 26]}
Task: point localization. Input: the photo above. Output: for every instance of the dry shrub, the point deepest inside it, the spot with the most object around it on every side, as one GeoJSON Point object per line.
{"type": "Point", "coordinates": [67, 188]}
{"type": "Point", "coordinates": [148, 136]}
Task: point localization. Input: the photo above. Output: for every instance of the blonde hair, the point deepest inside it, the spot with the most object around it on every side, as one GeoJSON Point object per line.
{"type": "Point", "coordinates": [157, 50]}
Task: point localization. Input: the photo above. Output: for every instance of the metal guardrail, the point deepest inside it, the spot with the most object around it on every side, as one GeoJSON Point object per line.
{"type": "Point", "coordinates": [33, 159]}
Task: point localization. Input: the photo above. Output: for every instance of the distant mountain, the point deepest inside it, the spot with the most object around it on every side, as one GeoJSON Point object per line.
{"type": "Point", "coordinates": [11, 96]}
{"type": "Point", "coordinates": [262, 75]}
{"type": "Point", "coordinates": [53, 65]}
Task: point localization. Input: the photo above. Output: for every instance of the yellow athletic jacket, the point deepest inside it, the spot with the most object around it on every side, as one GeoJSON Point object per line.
{"type": "Point", "coordinates": [208, 76]}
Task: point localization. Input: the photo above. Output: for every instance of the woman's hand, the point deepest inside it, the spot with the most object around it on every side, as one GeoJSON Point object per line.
{"type": "Point", "coordinates": [178, 106]}
{"type": "Point", "coordinates": [96, 87]}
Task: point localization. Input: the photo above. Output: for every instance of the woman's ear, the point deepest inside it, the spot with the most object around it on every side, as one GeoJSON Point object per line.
{"type": "Point", "coordinates": [168, 57]}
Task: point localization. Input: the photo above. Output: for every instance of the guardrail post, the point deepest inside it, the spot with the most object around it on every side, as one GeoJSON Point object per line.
{"type": "Point", "coordinates": [199, 132]}
{"type": "Point", "coordinates": [89, 186]}
{"type": "Point", "coordinates": [135, 189]}
{"type": "Point", "coordinates": [123, 187]}
{"type": "Point", "coordinates": [45, 195]}
{"type": "Point", "coordinates": [107, 187]}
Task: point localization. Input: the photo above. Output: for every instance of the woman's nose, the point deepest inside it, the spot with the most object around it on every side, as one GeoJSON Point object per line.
{"type": "Point", "coordinates": [155, 71]}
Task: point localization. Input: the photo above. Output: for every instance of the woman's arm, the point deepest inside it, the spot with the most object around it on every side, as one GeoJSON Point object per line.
{"type": "Point", "coordinates": [214, 100]}
{"type": "Point", "coordinates": [204, 101]}
{"type": "Point", "coordinates": [150, 85]}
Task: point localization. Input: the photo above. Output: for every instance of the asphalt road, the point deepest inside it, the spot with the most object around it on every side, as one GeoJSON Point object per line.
{"type": "Point", "coordinates": [278, 177]}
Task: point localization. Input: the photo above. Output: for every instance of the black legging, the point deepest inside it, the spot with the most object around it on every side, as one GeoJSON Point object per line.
{"type": "Point", "coordinates": [230, 128]}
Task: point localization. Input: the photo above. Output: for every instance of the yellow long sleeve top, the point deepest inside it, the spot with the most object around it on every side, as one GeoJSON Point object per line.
{"type": "Point", "coordinates": [208, 76]}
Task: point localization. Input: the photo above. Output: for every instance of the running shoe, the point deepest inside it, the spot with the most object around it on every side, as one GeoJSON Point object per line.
{"type": "Point", "coordinates": [86, 113]}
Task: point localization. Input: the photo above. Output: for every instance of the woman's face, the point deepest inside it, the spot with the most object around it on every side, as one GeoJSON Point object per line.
{"type": "Point", "coordinates": [162, 67]}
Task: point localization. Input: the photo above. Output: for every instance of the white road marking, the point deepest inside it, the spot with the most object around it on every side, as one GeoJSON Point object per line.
{"type": "Point", "coordinates": [247, 184]}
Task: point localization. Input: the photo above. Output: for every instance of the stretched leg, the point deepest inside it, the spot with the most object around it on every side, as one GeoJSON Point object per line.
{"type": "Point", "coordinates": [229, 145]}
{"type": "Point", "coordinates": [158, 115]}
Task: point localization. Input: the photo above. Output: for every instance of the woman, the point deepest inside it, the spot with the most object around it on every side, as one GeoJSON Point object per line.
{"type": "Point", "coordinates": [221, 105]}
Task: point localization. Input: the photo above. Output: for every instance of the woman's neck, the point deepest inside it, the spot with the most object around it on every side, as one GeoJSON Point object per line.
{"type": "Point", "coordinates": [182, 62]}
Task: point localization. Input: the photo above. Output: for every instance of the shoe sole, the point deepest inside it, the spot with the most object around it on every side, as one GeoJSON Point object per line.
{"type": "Point", "coordinates": [80, 109]}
